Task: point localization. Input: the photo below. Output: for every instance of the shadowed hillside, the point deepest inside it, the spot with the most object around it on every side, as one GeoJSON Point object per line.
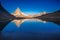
{"type": "Point", "coordinates": [52, 17]}
{"type": "Point", "coordinates": [5, 17]}
{"type": "Point", "coordinates": [5, 14]}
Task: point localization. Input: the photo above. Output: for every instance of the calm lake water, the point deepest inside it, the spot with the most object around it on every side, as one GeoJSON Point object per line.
{"type": "Point", "coordinates": [31, 30]}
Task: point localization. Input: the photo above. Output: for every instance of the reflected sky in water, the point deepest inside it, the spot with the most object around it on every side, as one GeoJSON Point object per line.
{"type": "Point", "coordinates": [31, 30]}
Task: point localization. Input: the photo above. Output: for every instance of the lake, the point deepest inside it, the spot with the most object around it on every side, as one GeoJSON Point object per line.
{"type": "Point", "coordinates": [31, 29]}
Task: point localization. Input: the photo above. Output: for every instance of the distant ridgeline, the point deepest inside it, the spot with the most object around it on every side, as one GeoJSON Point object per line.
{"type": "Point", "coordinates": [52, 17]}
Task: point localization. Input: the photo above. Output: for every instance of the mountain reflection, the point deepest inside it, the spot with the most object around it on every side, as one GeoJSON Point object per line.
{"type": "Point", "coordinates": [19, 22]}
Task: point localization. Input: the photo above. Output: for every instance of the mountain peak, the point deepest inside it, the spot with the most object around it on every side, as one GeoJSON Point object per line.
{"type": "Point", "coordinates": [18, 13]}
{"type": "Point", "coordinates": [18, 9]}
{"type": "Point", "coordinates": [44, 12]}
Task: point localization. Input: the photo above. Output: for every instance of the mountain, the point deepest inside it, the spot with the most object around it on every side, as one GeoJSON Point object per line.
{"type": "Point", "coordinates": [18, 13]}
{"type": "Point", "coordinates": [5, 14]}
{"type": "Point", "coordinates": [5, 17]}
{"type": "Point", "coordinates": [52, 17]}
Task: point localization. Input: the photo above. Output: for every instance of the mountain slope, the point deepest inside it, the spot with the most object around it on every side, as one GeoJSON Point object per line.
{"type": "Point", "coordinates": [52, 17]}
{"type": "Point", "coordinates": [5, 17]}
{"type": "Point", "coordinates": [5, 14]}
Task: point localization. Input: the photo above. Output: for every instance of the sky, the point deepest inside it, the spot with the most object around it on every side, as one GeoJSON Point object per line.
{"type": "Point", "coordinates": [31, 6]}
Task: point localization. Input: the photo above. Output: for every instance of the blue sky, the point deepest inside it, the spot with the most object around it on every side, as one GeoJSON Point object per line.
{"type": "Point", "coordinates": [31, 6]}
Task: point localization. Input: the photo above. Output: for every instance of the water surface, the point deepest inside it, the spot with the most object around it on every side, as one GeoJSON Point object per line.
{"type": "Point", "coordinates": [31, 29]}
